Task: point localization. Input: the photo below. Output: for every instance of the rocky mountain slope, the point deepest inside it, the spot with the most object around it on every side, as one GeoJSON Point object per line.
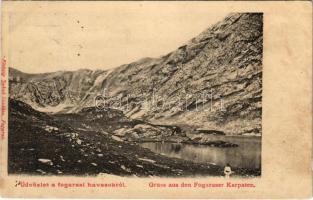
{"type": "Point", "coordinates": [214, 82]}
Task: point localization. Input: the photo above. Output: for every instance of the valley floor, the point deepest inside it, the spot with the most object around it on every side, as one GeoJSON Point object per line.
{"type": "Point", "coordinates": [37, 145]}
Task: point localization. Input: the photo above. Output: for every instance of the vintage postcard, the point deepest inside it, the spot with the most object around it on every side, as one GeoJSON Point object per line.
{"type": "Point", "coordinates": [156, 99]}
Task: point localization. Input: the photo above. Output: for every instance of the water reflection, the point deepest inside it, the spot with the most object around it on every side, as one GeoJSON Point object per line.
{"type": "Point", "coordinates": [247, 155]}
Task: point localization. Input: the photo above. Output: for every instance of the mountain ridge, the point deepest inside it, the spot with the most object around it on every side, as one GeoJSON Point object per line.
{"type": "Point", "coordinates": [213, 81]}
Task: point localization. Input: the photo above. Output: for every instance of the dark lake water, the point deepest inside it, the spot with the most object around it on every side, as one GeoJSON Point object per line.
{"type": "Point", "coordinates": [246, 155]}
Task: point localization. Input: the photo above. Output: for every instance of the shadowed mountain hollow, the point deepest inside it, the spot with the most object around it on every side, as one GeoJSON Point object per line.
{"type": "Point", "coordinates": [212, 82]}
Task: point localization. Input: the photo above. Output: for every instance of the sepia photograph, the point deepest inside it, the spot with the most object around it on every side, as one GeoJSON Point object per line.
{"type": "Point", "coordinates": [156, 99]}
{"type": "Point", "coordinates": [172, 94]}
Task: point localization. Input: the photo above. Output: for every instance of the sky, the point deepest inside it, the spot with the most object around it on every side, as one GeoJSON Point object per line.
{"type": "Point", "coordinates": [53, 36]}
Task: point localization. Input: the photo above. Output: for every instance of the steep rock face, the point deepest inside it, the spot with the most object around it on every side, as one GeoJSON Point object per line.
{"type": "Point", "coordinates": [52, 92]}
{"type": "Point", "coordinates": [213, 82]}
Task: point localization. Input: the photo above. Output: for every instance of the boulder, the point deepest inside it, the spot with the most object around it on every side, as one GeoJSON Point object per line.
{"type": "Point", "coordinates": [45, 161]}
{"type": "Point", "coordinates": [117, 138]}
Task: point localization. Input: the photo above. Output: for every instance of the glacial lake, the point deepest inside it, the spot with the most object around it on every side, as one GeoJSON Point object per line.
{"type": "Point", "coordinates": [246, 155]}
